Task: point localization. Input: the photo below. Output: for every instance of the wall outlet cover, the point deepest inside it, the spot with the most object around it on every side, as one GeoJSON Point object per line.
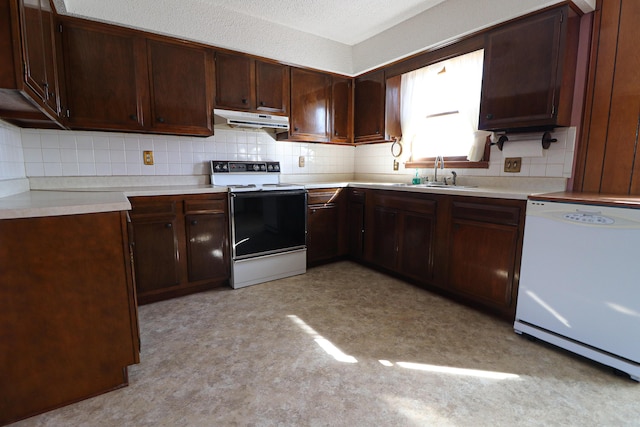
{"type": "Point", "coordinates": [512, 164]}
{"type": "Point", "coordinates": [147, 157]}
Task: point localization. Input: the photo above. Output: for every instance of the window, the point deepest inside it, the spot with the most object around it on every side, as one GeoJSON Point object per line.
{"type": "Point", "coordinates": [439, 111]}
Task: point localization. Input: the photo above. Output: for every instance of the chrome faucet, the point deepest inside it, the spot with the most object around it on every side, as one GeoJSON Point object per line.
{"type": "Point", "coordinates": [435, 167]}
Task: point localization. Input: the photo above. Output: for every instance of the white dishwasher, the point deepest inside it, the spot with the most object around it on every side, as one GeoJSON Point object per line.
{"type": "Point", "coordinates": [580, 281]}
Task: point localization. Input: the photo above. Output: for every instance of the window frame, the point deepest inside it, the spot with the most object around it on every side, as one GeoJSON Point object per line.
{"type": "Point", "coordinates": [456, 48]}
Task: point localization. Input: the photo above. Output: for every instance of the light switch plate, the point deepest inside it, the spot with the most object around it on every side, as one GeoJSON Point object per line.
{"type": "Point", "coordinates": [512, 164]}
{"type": "Point", "coordinates": [301, 161]}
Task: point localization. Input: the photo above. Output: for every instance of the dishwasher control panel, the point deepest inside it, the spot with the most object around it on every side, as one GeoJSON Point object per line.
{"type": "Point", "coordinates": [594, 218]}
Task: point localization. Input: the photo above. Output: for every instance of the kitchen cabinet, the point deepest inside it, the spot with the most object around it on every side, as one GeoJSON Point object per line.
{"type": "Point", "coordinates": [181, 244]}
{"type": "Point", "coordinates": [117, 79]}
{"type": "Point", "coordinates": [181, 88]}
{"type": "Point", "coordinates": [310, 106]}
{"type": "Point", "coordinates": [402, 233]}
{"type": "Point", "coordinates": [326, 239]}
{"type": "Point", "coordinates": [341, 110]}
{"type": "Point", "coordinates": [369, 106]}
{"type": "Point", "coordinates": [484, 248]}
{"type": "Point", "coordinates": [607, 161]}
{"type": "Point", "coordinates": [529, 72]}
{"type": "Point", "coordinates": [29, 83]}
{"type": "Point", "coordinates": [356, 201]}
{"type": "Point", "coordinates": [248, 84]}
{"type": "Point", "coordinates": [68, 324]}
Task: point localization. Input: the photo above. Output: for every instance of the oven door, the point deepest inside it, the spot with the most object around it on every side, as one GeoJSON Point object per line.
{"type": "Point", "coordinates": [267, 222]}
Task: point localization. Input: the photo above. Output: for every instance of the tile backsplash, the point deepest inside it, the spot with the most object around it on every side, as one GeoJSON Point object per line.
{"type": "Point", "coordinates": [11, 155]}
{"type": "Point", "coordinates": [55, 153]}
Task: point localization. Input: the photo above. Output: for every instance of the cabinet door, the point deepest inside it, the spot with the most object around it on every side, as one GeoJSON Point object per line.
{"type": "Point", "coordinates": [341, 111]}
{"type": "Point", "coordinates": [369, 102]}
{"type": "Point", "coordinates": [207, 246]}
{"type": "Point", "coordinates": [310, 102]}
{"type": "Point", "coordinates": [385, 237]}
{"type": "Point", "coordinates": [155, 254]}
{"type": "Point", "coordinates": [522, 73]}
{"type": "Point", "coordinates": [482, 261]}
{"type": "Point", "coordinates": [416, 250]}
{"type": "Point", "coordinates": [356, 221]}
{"type": "Point", "coordinates": [34, 48]}
{"type": "Point", "coordinates": [181, 89]}
{"type": "Point", "coordinates": [322, 236]}
{"type": "Point", "coordinates": [106, 77]}
{"type": "Point", "coordinates": [272, 87]}
{"type": "Point", "coordinates": [234, 80]}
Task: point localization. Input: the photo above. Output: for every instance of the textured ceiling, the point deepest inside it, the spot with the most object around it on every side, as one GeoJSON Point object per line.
{"type": "Point", "coordinates": [344, 21]}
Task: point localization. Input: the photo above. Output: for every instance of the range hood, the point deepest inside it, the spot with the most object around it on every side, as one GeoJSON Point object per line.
{"type": "Point", "coordinates": [251, 120]}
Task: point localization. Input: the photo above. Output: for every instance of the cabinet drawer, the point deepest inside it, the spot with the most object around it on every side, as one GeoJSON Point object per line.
{"type": "Point", "coordinates": [357, 196]}
{"type": "Point", "coordinates": [497, 214]}
{"type": "Point", "coordinates": [324, 196]}
{"type": "Point", "coordinates": [141, 208]}
{"type": "Point", "coordinates": [404, 203]}
{"type": "Point", "coordinates": [205, 206]}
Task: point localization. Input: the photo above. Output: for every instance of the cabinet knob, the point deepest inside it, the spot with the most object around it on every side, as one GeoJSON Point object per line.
{"type": "Point", "coordinates": [244, 100]}
{"type": "Point", "coordinates": [161, 119]}
{"type": "Point", "coordinates": [133, 117]}
{"type": "Point", "coordinates": [296, 129]}
{"type": "Point", "coordinates": [489, 116]}
{"type": "Point", "coordinates": [377, 131]}
{"type": "Point", "coordinates": [335, 133]}
{"type": "Point", "coordinates": [262, 103]}
{"type": "Point", "coordinates": [169, 225]}
{"type": "Point", "coordinates": [194, 222]}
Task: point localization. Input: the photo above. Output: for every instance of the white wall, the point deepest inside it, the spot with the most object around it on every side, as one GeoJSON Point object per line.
{"type": "Point", "coordinates": [11, 157]}
{"type": "Point", "coordinates": [53, 153]}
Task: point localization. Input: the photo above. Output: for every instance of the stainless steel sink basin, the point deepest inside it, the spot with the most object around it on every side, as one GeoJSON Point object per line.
{"type": "Point", "coordinates": [433, 185]}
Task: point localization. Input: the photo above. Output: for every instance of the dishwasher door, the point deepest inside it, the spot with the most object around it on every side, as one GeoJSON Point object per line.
{"type": "Point", "coordinates": [580, 280]}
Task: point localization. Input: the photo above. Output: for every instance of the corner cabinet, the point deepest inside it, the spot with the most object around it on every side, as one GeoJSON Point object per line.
{"type": "Point", "coordinates": [326, 239]}
{"type": "Point", "coordinates": [529, 72]}
{"type": "Point", "coordinates": [119, 80]}
{"type": "Point", "coordinates": [310, 106]}
{"type": "Point", "coordinates": [369, 107]}
{"type": "Point", "coordinates": [180, 244]}
{"type": "Point", "coordinates": [248, 84]}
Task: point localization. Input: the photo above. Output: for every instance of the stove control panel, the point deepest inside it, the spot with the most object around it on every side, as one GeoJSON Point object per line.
{"type": "Point", "coordinates": [220, 166]}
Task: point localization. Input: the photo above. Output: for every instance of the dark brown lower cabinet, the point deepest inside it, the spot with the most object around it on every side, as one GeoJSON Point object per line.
{"type": "Point", "coordinates": [465, 247]}
{"type": "Point", "coordinates": [68, 317]}
{"type": "Point", "coordinates": [402, 237]}
{"type": "Point", "coordinates": [356, 199]}
{"type": "Point", "coordinates": [181, 244]}
{"type": "Point", "coordinates": [326, 239]}
{"type": "Point", "coordinates": [485, 245]}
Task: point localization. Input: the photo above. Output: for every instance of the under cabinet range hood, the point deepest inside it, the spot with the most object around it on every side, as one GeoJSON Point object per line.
{"type": "Point", "coordinates": [244, 119]}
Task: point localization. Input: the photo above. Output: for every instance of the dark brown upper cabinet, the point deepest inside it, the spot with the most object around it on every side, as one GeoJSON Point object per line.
{"type": "Point", "coordinates": [248, 84]}
{"type": "Point", "coordinates": [181, 88]}
{"type": "Point", "coordinates": [119, 80]}
{"type": "Point", "coordinates": [369, 106]}
{"type": "Point", "coordinates": [310, 106]}
{"type": "Point", "coordinates": [341, 110]}
{"type": "Point", "coordinates": [529, 71]}
{"type": "Point", "coordinates": [28, 71]}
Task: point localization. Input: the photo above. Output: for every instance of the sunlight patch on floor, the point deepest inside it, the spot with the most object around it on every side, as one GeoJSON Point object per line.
{"type": "Point", "coordinates": [450, 370]}
{"type": "Point", "coordinates": [324, 343]}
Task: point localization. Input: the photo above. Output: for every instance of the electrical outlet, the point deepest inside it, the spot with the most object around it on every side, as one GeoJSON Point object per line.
{"type": "Point", "coordinates": [147, 157]}
{"type": "Point", "coordinates": [512, 164]}
{"type": "Point", "coordinates": [301, 161]}
{"type": "Point", "coordinates": [396, 165]}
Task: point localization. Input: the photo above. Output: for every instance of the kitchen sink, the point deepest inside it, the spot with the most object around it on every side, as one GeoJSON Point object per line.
{"type": "Point", "coordinates": [434, 185]}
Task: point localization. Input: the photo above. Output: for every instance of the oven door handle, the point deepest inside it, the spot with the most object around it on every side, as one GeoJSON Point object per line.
{"type": "Point", "coordinates": [248, 194]}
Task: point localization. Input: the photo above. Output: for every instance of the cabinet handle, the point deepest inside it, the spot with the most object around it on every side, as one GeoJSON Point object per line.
{"type": "Point", "coordinates": [262, 103]}
{"type": "Point", "coordinates": [194, 222]}
{"type": "Point", "coordinates": [169, 225]}
{"type": "Point", "coordinates": [161, 119]}
{"type": "Point", "coordinates": [335, 132]}
{"type": "Point", "coordinates": [377, 131]}
{"type": "Point", "coordinates": [133, 117]}
{"type": "Point", "coordinates": [296, 129]}
{"type": "Point", "coordinates": [244, 100]}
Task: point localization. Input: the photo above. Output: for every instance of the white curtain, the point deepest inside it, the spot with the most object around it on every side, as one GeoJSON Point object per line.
{"type": "Point", "coordinates": [439, 108]}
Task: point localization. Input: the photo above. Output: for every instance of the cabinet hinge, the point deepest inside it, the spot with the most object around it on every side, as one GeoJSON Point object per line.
{"type": "Point", "coordinates": [553, 110]}
{"type": "Point", "coordinates": [68, 113]}
{"type": "Point", "coordinates": [561, 16]}
{"type": "Point", "coordinates": [59, 28]}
